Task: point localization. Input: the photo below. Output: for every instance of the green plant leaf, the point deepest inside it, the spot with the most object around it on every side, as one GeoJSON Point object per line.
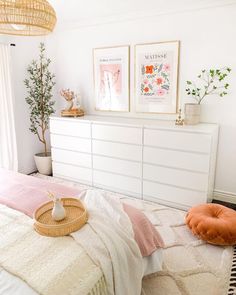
{"type": "Point", "coordinates": [39, 86]}
{"type": "Point", "coordinates": [166, 87]}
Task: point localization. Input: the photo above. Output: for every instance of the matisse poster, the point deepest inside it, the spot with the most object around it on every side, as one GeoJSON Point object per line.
{"type": "Point", "coordinates": [157, 77]}
{"type": "Point", "coordinates": [111, 78]}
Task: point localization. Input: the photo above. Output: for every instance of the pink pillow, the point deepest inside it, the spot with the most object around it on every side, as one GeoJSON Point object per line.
{"type": "Point", "coordinates": [26, 193]}
{"type": "Point", "coordinates": [145, 234]}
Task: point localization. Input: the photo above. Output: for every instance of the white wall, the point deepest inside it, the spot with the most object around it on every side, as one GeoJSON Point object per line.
{"type": "Point", "coordinates": [25, 50]}
{"type": "Point", "coordinates": [207, 40]}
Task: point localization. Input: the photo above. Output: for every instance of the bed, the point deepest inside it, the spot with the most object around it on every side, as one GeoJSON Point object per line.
{"type": "Point", "coordinates": [190, 266]}
{"type": "Point", "coordinates": [95, 260]}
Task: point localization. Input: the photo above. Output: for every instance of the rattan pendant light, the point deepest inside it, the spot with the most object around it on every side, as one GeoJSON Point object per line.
{"type": "Point", "coordinates": [26, 17]}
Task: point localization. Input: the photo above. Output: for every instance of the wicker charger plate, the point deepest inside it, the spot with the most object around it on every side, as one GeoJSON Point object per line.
{"type": "Point", "coordinates": [76, 217]}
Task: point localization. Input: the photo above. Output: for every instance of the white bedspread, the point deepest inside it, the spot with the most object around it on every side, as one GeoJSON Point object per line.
{"type": "Point", "coordinates": [108, 239]}
{"type": "Point", "coordinates": [11, 285]}
{"type": "Point", "coordinates": [49, 265]}
{"type": "Point", "coordinates": [108, 225]}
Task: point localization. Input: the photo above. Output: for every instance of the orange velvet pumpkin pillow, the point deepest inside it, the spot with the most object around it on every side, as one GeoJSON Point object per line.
{"type": "Point", "coordinates": [213, 223]}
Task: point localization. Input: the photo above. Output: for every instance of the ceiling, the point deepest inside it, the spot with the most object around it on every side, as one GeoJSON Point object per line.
{"type": "Point", "coordinates": [69, 11]}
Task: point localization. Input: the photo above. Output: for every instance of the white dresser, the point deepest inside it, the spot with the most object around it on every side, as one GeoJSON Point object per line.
{"type": "Point", "coordinates": [148, 159]}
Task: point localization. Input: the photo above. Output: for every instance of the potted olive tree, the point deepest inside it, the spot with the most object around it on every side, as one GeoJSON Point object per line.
{"type": "Point", "coordinates": [40, 100]}
{"type": "Point", "coordinates": [212, 82]}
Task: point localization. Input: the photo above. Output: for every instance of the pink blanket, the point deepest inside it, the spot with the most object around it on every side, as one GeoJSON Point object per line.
{"type": "Point", "coordinates": [26, 193]}
{"type": "Point", "coordinates": [145, 234]}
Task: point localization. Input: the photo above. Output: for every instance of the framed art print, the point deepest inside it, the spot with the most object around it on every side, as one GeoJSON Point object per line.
{"type": "Point", "coordinates": [156, 77]}
{"type": "Point", "coordinates": [111, 78]}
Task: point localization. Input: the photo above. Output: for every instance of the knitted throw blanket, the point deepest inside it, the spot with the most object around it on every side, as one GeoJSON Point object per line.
{"type": "Point", "coordinates": [48, 265]}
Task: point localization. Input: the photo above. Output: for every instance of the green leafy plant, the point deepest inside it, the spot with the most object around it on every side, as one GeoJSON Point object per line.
{"type": "Point", "coordinates": [213, 82]}
{"type": "Point", "coordinates": [40, 99]}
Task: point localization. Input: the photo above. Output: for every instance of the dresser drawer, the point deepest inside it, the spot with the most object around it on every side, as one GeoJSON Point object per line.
{"type": "Point", "coordinates": [74, 158]}
{"type": "Point", "coordinates": [117, 183]}
{"type": "Point", "coordinates": [70, 127]}
{"type": "Point", "coordinates": [186, 141]}
{"type": "Point", "coordinates": [186, 179]}
{"type": "Point", "coordinates": [117, 166]}
{"type": "Point", "coordinates": [177, 159]}
{"type": "Point", "coordinates": [118, 150]}
{"type": "Point", "coordinates": [71, 143]}
{"type": "Point", "coordinates": [117, 133]}
{"type": "Point", "coordinates": [79, 174]}
{"type": "Point", "coordinates": [157, 192]}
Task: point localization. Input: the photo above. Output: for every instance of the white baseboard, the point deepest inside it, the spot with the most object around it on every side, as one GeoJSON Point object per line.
{"type": "Point", "coordinates": [225, 196]}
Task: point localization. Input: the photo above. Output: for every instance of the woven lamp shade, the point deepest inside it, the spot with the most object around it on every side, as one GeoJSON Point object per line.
{"type": "Point", "coordinates": [26, 17]}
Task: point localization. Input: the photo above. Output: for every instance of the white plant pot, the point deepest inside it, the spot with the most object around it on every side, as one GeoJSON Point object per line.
{"type": "Point", "coordinates": [43, 163]}
{"type": "Point", "coordinates": [192, 113]}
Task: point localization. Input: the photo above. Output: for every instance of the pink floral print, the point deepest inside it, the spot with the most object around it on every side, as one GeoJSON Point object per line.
{"type": "Point", "coordinates": [155, 80]}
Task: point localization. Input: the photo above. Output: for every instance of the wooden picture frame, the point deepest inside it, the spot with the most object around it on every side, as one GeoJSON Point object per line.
{"type": "Point", "coordinates": [112, 78]}
{"type": "Point", "coordinates": [156, 77]}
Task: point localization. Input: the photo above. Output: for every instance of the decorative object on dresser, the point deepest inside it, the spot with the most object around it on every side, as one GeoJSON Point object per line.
{"type": "Point", "coordinates": [156, 77]}
{"type": "Point", "coordinates": [111, 78]}
{"type": "Point", "coordinates": [71, 98]}
{"type": "Point", "coordinates": [40, 100]}
{"type": "Point", "coordinates": [179, 121]}
{"type": "Point", "coordinates": [147, 159]}
{"type": "Point", "coordinates": [212, 84]}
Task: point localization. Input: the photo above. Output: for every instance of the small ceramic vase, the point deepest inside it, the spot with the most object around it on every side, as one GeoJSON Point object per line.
{"type": "Point", "coordinates": [58, 211]}
{"type": "Point", "coordinates": [192, 113]}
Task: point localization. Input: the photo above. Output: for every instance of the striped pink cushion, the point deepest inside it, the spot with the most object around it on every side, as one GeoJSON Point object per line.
{"type": "Point", "coordinates": [145, 234]}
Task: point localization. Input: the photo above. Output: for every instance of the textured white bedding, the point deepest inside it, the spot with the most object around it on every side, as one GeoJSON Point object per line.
{"type": "Point", "coordinates": [190, 266]}
{"type": "Point", "coordinates": [11, 285]}
{"type": "Point", "coordinates": [153, 263]}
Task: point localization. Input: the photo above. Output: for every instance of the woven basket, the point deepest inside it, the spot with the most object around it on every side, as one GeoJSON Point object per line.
{"type": "Point", "coordinates": [76, 217]}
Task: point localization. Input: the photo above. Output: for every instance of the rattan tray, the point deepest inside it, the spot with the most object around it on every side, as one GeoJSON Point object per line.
{"type": "Point", "coordinates": [76, 217]}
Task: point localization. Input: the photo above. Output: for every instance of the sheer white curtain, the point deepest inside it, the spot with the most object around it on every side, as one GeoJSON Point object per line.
{"type": "Point", "coordinates": [8, 149]}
